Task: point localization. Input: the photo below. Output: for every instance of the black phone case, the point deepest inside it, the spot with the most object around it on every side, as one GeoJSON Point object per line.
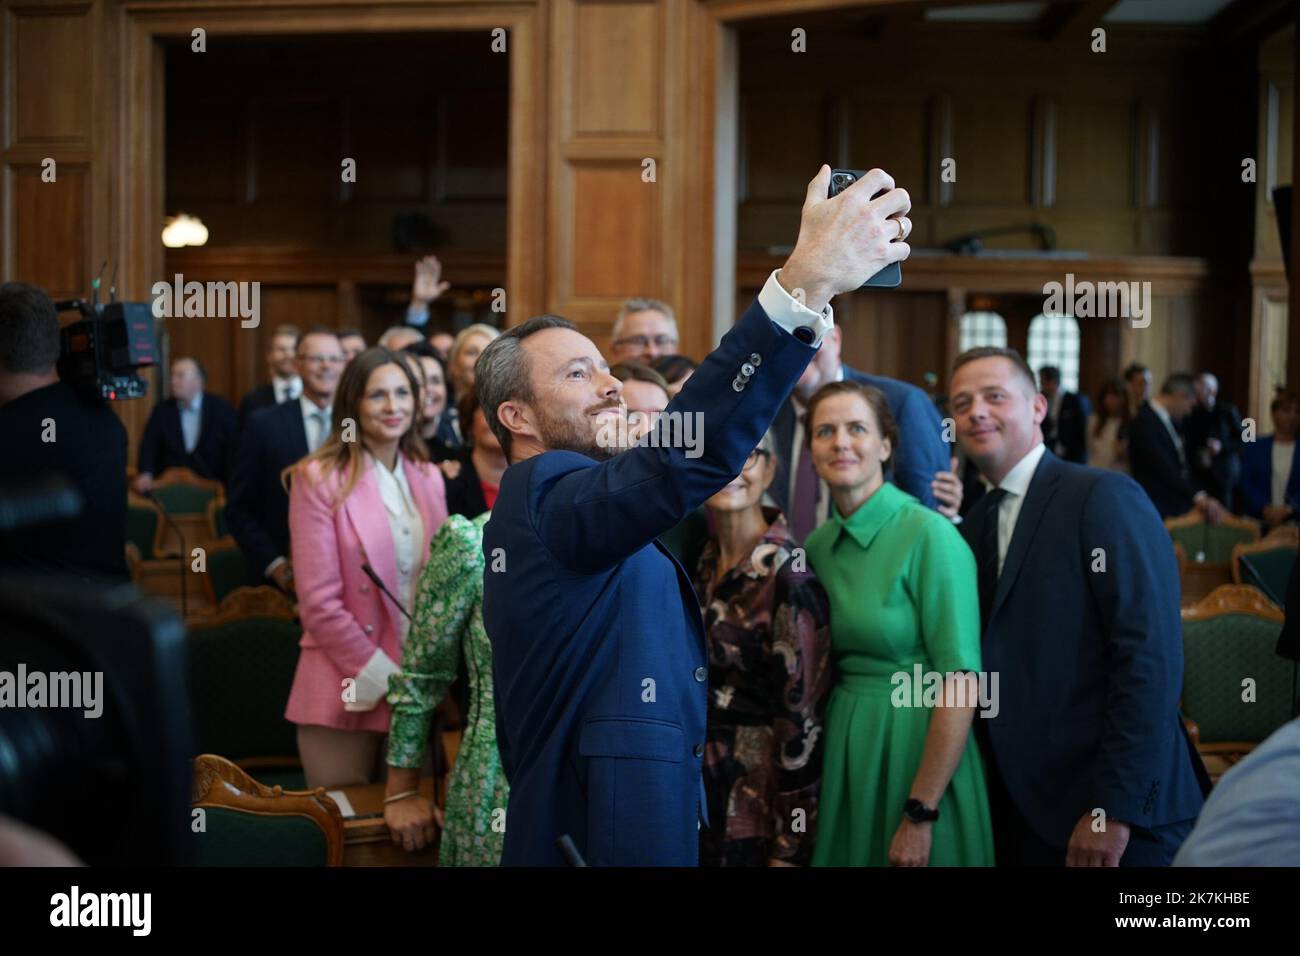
{"type": "Point", "coordinates": [890, 277]}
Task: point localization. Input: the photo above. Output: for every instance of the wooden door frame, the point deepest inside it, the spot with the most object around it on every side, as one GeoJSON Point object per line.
{"type": "Point", "coordinates": [139, 203]}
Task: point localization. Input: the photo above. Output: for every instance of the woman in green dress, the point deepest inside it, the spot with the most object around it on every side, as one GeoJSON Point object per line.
{"type": "Point", "coordinates": [448, 622]}
{"type": "Point", "coordinates": [903, 592]}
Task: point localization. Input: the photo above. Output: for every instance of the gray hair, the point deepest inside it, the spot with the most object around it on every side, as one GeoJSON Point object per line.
{"type": "Point", "coordinates": [501, 372]}
{"type": "Point", "coordinates": [641, 305]}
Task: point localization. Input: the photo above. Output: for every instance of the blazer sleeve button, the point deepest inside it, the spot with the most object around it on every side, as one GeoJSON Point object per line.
{"type": "Point", "coordinates": [701, 674]}
{"type": "Point", "coordinates": [699, 750]}
{"type": "Point", "coordinates": [755, 359]}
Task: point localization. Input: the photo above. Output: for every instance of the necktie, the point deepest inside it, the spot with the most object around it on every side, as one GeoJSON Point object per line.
{"type": "Point", "coordinates": [988, 556]}
{"type": "Point", "coordinates": [320, 427]}
{"type": "Point", "coordinates": [803, 509]}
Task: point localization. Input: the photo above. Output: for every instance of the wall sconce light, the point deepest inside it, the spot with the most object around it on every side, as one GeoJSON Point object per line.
{"type": "Point", "coordinates": [184, 230]}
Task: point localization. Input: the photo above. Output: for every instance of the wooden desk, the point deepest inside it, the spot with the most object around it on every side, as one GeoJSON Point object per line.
{"type": "Point", "coordinates": [366, 840]}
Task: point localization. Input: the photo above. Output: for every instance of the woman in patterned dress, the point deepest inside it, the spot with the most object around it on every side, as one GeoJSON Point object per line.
{"type": "Point", "coordinates": [769, 658]}
{"type": "Point", "coordinates": [448, 623]}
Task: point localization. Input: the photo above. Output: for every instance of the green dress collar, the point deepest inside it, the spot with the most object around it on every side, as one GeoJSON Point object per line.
{"type": "Point", "coordinates": [865, 523]}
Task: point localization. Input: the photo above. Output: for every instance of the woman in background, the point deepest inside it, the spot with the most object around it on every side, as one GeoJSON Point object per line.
{"type": "Point", "coordinates": [1108, 435]}
{"type": "Point", "coordinates": [902, 784]}
{"type": "Point", "coordinates": [769, 672]}
{"type": "Point", "coordinates": [473, 472]}
{"type": "Point", "coordinates": [368, 495]}
{"type": "Point", "coordinates": [448, 631]}
{"type": "Point", "coordinates": [675, 369]}
{"type": "Point", "coordinates": [465, 350]}
{"type": "Point", "coordinates": [438, 422]}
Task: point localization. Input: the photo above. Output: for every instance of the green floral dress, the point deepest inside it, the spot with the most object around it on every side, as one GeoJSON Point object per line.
{"type": "Point", "coordinates": [448, 621]}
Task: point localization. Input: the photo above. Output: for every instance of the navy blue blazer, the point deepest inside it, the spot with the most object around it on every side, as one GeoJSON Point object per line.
{"type": "Point", "coordinates": [1153, 457]}
{"type": "Point", "coordinates": [162, 445]}
{"type": "Point", "coordinates": [598, 647]}
{"type": "Point", "coordinates": [1089, 662]}
{"type": "Point", "coordinates": [1257, 477]}
{"type": "Point", "coordinates": [257, 506]}
{"type": "Point", "coordinates": [921, 451]}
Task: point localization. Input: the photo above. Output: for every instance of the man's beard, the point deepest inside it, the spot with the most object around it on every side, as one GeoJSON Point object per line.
{"type": "Point", "coordinates": [565, 434]}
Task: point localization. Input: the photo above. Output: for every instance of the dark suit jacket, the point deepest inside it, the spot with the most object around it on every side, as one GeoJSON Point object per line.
{"type": "Point", "coordinates": [163, 445]}
{"type": "Point", "coordinates": [257, 508]}
{"type": "Point", "coordinates": [598, 647]}
{"type": "Point", "coordinates": [1153, 457]}
{"type": "Point", "coordinates": [89, 451]}
{"type": "Point", "coordinates": [921, 451]}
{"type": "Point", "coordinates": [465, 491]}
{"type": "Point", "coordinates": [1257, 477]}
{"type": "Point", "coordinates": [1089, 656]}
{"type": "Point", "coordinates": [1224, 423]}
{"type": "Point", "coordinates": [1071, 431]}
{"type": "Point", "coordinates": [261, 397]}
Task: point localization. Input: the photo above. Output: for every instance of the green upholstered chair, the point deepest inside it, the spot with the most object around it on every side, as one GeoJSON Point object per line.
{"type": "Point", "coordinates": [242, 662]}
{"type": "Point", "coordinates": [247, 823]}
{"type": "Point", "coordinates": [217, 519]}
{"type": "Point", "coordinates": [1230, 637]}
{"type": "Point", "coordinates": [182, 492]}
{"type": "Point", "coordinates": [142, 521]}
{"type": "Point", "coordinates": [1207, 543]}
{"type": "Point", "coordinates": [227, 571]}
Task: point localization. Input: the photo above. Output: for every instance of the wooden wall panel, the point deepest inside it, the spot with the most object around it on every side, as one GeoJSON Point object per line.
{"type": "Point", "coordinates": [51, 221]}
{"type": "Point", "coordinates": [618, 52]}
{"type": "Point", "coordinates": [52, 105]}
{"type": "Point", "coordinates": [992, 176]}
{"type": "Point", "coordinates": [1094, 154]}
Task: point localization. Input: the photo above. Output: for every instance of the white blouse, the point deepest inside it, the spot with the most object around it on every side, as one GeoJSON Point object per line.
{"type": "Point", "coordinates": [407, 529]}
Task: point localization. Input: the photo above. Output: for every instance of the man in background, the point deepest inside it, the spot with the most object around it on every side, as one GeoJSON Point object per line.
{"type": "Point", "coordinates": [48, 431]}
{"type": "Point", "coordinates": [1138, 380]}
{"type": "Point", "coordinates": [1158, 455]}
{"type": "Point", "coordinates": [274, 438]}
{"type": "Point", "coordinates": [352, 342]}
{"type": "Point", "coordinates": [644, 329]}
{"type": "Point", "coordinates": [189, 429]}
{"type": "Point", "coordinates": [1213, 431]}
{"type": "Point", "coordinates": [285, 385]}
{"type": "Point", "coordinates": [1065, 430]}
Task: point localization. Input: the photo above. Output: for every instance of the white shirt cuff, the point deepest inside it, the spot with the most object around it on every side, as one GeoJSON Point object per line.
{"type": "Point", "coordinates": [270, 568]}
{"type": "Point", "coordinates": [372, 683]}
{"type": "Point", "coordinates": [789, 313]}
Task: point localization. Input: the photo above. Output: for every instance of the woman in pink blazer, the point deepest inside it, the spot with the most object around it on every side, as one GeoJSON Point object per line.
{"type": "Point", "coordinates": [368, 495]}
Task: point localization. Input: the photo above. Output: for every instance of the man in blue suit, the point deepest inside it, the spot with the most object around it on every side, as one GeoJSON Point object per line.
{"type": "Point", "coordinates": [1270, 476]}
{"type": "Point", "coordinates": [1087, 760]}
{"type": "Point", "coordinates": [599, 655]}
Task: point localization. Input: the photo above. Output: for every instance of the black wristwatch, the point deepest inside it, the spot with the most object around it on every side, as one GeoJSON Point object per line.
{"type": "Point", "coordinates": [918, 812]}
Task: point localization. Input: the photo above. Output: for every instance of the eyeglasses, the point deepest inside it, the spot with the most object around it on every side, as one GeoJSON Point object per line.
{"type": "Point", "coordinates": [641, 341]}
{"type": "Point", "coordinates": [758, 454]}
{"type": "Point", "coordinates": [324, 359]}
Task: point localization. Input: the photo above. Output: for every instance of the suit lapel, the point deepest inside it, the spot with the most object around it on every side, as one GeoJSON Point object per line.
{"type": "Point", "coordinates": [687, 590]}
{"type": "Point", "coordinates": [432, 512]}
{"type": "Point", "coordinates": [1041, 489]}
{"type": "Point", "coordinates": [369, 520]}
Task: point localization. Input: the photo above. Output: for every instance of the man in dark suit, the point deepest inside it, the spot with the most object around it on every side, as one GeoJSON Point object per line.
{"type": "Point", "coordinates": [273, 439]}
{"type": "Point", "coordinates": [1087, 760]}
{"type": "Point", "coordinates": [281, 362]}
{"type": "Point", "coordinates": [1158, 455]}
{"type": "Point", "coordinates": [599, 657]}
{"type": "Point", "coordinates": [1213, 430]}
{"type": "Point", "coordinates": [48, 431]}
{"type": "Point", "coordinates": [191, 429]}
{"type": "Point", "coordinates": [1065, 430]}
{"type": "Point", "coordinates": [921, 457]}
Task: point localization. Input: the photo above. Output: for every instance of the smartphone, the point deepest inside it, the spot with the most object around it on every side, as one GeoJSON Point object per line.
{"type": "Point", "coordinates": [890, 277]}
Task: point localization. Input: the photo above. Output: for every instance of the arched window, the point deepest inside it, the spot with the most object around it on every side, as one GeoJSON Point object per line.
{"type": "Point", "coordinates": [983, 328]}
{"type": "Point", "coordinates": [1054, 340]}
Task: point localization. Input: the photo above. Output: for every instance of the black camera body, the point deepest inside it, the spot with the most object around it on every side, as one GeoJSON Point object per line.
{"type": "Point", "coordinates": [890, 277]}
{"type": "Point", "coordinates": [99, 355]}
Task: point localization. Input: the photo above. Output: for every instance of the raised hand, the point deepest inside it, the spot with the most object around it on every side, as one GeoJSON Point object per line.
{"type": "Point", "coordinates": [428, 284]}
